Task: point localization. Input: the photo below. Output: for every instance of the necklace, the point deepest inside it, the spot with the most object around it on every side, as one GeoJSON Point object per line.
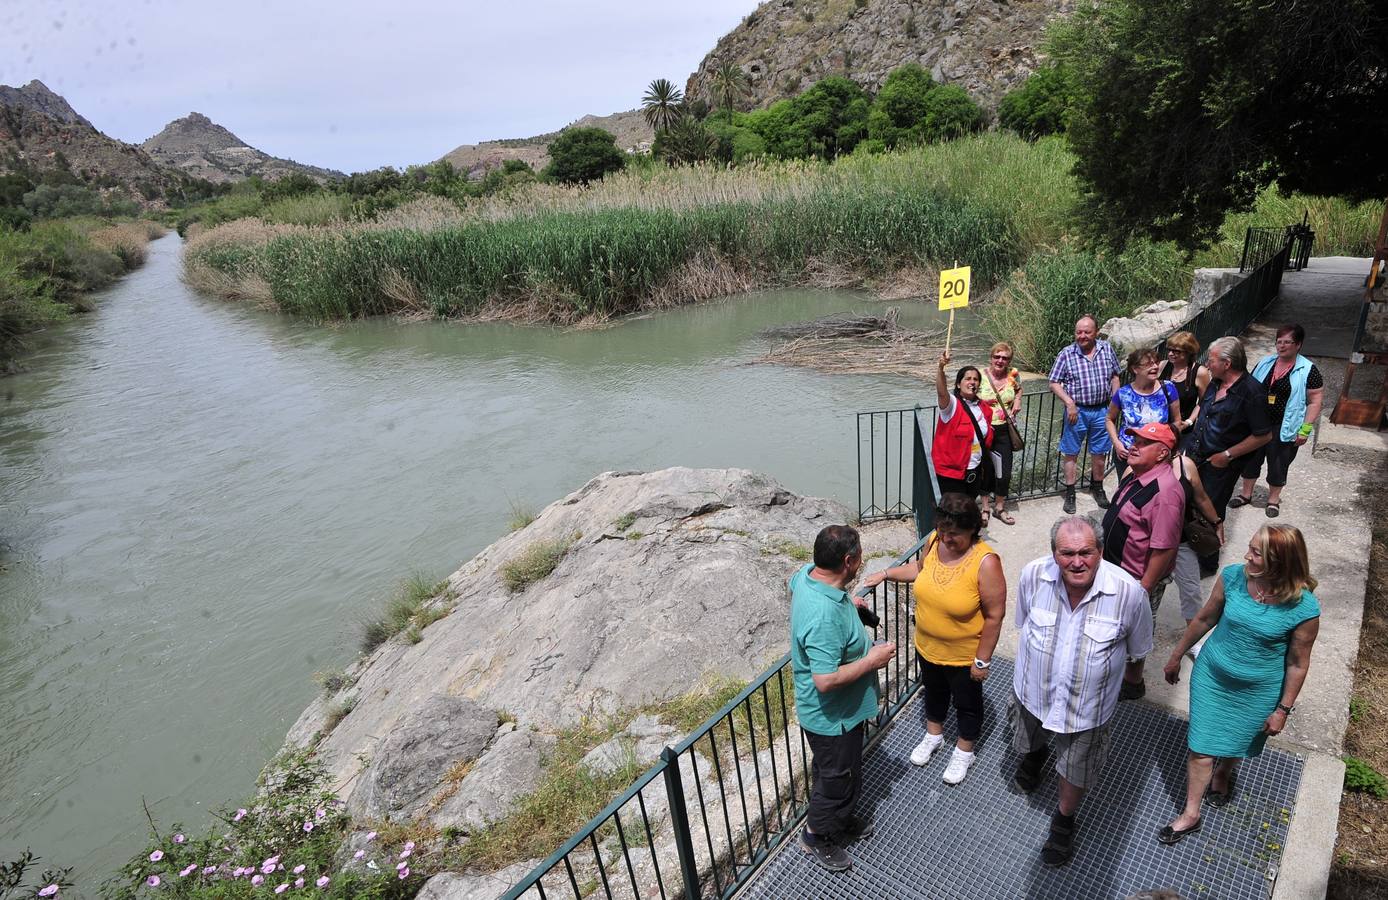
{"type": "Point", "coordinates": [1262, 595]}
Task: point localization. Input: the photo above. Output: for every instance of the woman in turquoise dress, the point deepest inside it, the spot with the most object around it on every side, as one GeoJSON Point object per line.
{"type": "Point", "coordinates": [1246, 679]}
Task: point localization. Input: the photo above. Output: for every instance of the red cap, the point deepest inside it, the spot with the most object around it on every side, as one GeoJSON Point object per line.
{"type": "Point", "coordinates": [1155, 431]}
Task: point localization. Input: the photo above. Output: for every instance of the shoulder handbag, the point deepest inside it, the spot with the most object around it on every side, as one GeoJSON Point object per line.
{"type": "Point", "coordinates": [1014, 436]}
{"type": "Point", "coordinates": [986, 474]}
{"type": "Point", "coordinates": [1199, 532]}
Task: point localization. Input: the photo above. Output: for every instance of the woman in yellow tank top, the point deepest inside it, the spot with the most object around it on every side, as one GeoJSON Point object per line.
{"type": "Point", "coordinates": [961, 597]}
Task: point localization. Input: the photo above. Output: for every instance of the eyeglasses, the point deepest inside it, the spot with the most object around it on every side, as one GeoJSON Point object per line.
{"type": "Point", "coordinates": [1002, 356]}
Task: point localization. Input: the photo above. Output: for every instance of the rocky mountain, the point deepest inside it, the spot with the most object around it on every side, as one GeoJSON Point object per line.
{"type": "Point", "coordinates": [629, 128]}
{"type": "Point", "coordinates": [785, 46]}
{"type": "Point", "coordinates": [41, 133]}
{"type": "Point", "coordinates": [197, 146]}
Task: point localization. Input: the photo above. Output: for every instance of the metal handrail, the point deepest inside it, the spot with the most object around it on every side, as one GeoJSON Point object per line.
{"type": "Point", "coordinates": [770, 800]}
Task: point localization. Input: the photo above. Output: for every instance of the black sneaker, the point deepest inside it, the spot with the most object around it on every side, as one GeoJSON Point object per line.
{"type": "Point", "coordinates": [1028, 774]}
{"type": "Point", "coordinates": [1132, 690]}
{"type": "Point", "coordinates": [856, 829]}
{"type": "Point", "coordinates": [1097, 489]}
{"type": "Point", "coordinates": [825, 852]}
{"type": "Point", "coordinates": [1069, 504]}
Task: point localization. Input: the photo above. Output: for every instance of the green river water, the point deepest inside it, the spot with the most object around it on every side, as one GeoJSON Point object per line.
{"type": "Point", "coordinates": [203, 501]}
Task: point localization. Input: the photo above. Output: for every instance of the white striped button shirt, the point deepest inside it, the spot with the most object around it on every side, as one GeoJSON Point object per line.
{"type": "Point", "coordinates": [1070, 662]}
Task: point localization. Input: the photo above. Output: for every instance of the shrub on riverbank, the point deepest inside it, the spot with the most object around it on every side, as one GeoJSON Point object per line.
{"type": "Point", "coordinates": [46, 270]}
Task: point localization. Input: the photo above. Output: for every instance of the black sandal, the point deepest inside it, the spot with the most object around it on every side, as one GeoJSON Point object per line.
{"type": "Point", "coordinates": [1220, 799]}
{"type": "Point", "coordinates": [1060, 843]}
{"type": "Point", "coordinates": [1240, 500]}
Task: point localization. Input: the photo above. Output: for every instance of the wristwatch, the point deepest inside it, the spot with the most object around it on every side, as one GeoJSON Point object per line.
{"type": "Point", "coordinates": [1227, 455]}
{"type": "Point", "coordinates": [982, 663]}
{"type": "Point", "coordinates": [1286, 709]}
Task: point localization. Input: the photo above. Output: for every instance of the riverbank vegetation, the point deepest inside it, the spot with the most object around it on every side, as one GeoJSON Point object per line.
{"type": "Point", "coordinates": [47, 268]}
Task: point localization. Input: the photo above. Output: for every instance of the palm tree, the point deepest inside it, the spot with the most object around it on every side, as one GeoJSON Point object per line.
{"type": "Point", "coordinates": [729, 84]}
{"type": "Point", "coordinates": [661, 104]}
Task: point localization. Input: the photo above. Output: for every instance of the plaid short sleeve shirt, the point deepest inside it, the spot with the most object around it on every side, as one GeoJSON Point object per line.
{"type": "Point", "coordinates": [1086, 379]}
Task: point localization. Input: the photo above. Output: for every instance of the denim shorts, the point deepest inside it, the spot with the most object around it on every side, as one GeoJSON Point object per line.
{"type": "Point", "coordinates": [1089, 424]}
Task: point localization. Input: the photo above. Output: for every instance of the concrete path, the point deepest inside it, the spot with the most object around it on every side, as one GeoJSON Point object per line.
{"type": "Point", "coordinates": [1323, 500]}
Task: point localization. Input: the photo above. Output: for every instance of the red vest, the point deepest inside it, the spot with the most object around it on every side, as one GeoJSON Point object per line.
{"type": "Point", "coordinates": [955, 438]}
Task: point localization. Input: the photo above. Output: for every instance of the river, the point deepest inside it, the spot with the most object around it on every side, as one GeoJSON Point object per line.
{"type": "Point", "coordinates": [202, 502]}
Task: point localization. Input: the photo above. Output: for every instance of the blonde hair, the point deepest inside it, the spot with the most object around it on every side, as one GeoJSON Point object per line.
{"type": "Point", "coordinates": [1002, 345]}
{"type": "Point", "coordinates": [1286, 568]}
{"type": "Point", "coordinates": [1184, 342]}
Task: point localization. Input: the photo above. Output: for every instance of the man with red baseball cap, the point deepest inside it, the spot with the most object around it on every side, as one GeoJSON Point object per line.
{"type": "Point", "coordinates": [1142, 528]}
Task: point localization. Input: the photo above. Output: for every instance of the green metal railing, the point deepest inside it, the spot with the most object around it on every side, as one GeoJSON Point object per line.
{"type": "Point", "coordinates": [701, 820]}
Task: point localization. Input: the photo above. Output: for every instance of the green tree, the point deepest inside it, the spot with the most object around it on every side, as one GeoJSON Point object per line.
{"type": "Point", "coordinates": [687, 141]}
{"type": "Point", "coordinates": [580, 155]}
{"type": "Point", "coordinates": [730, 85]}
{"type": "Point", "coordinates": [1040, 105]}
{"type": "Point", "coordinates": [898, 112]}
{"type": "Point", "coordinates": [293, 185]}
{"type": "Point", "coordinates": [832, 116]}
{"type": "Point", "coordinates": [1185, 110]}
{"type": "Point", "coordinates": [950, 112]}
{"type": "Point", "coordinates": [661, 104]}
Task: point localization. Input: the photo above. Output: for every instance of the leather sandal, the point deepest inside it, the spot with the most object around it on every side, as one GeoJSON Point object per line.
{"type": "Point", "coordinates": [1059, 846]}
{"type": "Point", "coordinates": [1274, 510]}
{"type": "Point", "coordinates": [1240, 500]}
{"type": "Point", "coordinates": [1169, 835]}
{"type": "Point", "coordinates": [1004, 517]}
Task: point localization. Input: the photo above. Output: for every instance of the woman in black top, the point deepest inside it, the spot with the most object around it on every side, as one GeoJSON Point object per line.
{"type": "Point", "coordinates": [1182, 351]}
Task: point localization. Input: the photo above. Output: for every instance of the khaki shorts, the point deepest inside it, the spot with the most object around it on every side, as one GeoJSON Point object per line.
{"type": "Point", "coordinates": [1079, 755]}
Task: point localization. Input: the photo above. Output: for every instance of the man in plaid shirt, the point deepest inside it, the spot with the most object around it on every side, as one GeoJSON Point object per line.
{"type": "Point", "coordinates": [1084, 377]}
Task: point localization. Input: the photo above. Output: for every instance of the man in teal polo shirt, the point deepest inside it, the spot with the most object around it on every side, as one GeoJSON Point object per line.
{"type": "Point", "coordinates": [835, 665]}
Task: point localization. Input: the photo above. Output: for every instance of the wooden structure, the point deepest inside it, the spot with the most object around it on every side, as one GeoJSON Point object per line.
{"type": "Point", "coordinates": [1370, 346]}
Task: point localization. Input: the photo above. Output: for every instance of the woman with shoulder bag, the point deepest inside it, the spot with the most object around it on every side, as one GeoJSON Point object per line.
{"type": "Point", "coordinates": [1002, 387]}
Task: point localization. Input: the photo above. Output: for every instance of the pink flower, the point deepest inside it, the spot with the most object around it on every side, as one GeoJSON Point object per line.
{"type": "Point", "coordinates": [49, 891]}
{"type": "Point", "coordinates": [401, 865]}
{"type": "Point", "coordinates": [409, 845]}
{"type": "Point", "coordinates": [178, 839]}
{"type": "Point", "coordinates": [152, 881]}
{"type": "Point", "coordinates": [186, 870]}
{"type": "Point", "coordinates": [320, 813]}
{"type": "Point", "coordinates": [208, 870]}
{"type": "Point", "coordinates": [237, 873]}
{"type": "Point", "coordinates": [267, 868]}
{"type": "Point", "coordinates": [359, 854]}
{"type": "Point", "coordinates": [271, 861]}
{"type": "Point", "coordinates": [298, 882]}
{"type": "Point", "coordinates": [258, 880]}
{"type": "Point", "coordinates": [240, 814]}
{"type": "Point", "coordinates": [156, 856]}
{"type": "Point", "coordinates": [405, 853]}
{"type": "Point", "coordinates": [281, 888]}
{"type": "Point", "coordinates": [308, 826]}
{"type": "Point", "coordinates": [299, 869]}
{"type": "Point", "coordinates": [403, 874]}
{"type": "Point", "coordinates": [371, 835]}
{"type": "Point", "coordinates": [322, 881]}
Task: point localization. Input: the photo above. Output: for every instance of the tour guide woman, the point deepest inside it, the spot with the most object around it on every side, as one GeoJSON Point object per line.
{"type": "Point", "coordinates": [962, 434]}
{"type": "Point", "coordinates": [1002, 388]}
{"type": "Point", "coordinates": [961, 597]}
{"type": "Point", "coordinates": [1245, 681]}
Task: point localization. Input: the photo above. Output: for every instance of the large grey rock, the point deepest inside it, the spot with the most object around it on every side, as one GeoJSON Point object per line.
{"type": "Point", "coordinates": [641, 742]}
{"type": "Point", "coordinates": [457, 886]}
{"type": "Point", "coordinates": [511, 768]}
{"type": "Point", "coordinates": [424, 745]}
{"type": "Point", "coordinates": [692, 587]}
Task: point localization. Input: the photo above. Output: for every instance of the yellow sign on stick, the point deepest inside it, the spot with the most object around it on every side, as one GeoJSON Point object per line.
{"type": "Point", "coordinates": [954, 288]}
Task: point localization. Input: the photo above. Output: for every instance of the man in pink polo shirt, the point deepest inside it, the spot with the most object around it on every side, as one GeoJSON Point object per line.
{"type": "Point", "coordinates": [1142, 527]}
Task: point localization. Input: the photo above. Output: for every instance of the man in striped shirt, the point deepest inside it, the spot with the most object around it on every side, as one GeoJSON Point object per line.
{"type": "Point", "coordinates": [1079, 619]}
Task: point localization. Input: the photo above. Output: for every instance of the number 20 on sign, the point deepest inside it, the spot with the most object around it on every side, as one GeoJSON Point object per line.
{"type": "Point", "coordinates": [954, 288]}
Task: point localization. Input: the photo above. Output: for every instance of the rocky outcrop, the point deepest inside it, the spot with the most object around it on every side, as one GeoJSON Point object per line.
{"type": "Point", "coordinates": [785, 46]}
{"type": "Point", "coordinates": [630, 130]}
{"type": "Point", "coordinates": [41, 133]}
{"type": "Point", "coordinates": [201, 148]}
{"type": "Point", "coordinates": [666, 579]}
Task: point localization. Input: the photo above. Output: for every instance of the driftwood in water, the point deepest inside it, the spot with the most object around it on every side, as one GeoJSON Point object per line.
{"type": "Point", "coordinates": [866, 345]}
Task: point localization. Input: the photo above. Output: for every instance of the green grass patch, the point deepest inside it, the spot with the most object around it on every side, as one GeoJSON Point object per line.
{"type": "Point", "coordinates": [623, 522]}
{"type": "Point", "coordinates": [334, 681]}
{"type": "Point", "coordinates": [1360, 777]}
{"type": "Point", "coordinates": [533, 563]}
{"type": "Point", "coordinates": [339, 710]}
{"type": "Point", "coordinates": [786, 547]}
{"type": "Point", "coordinates": [521, 515]}
{"type": "Point", "coordinates": [408, 608]}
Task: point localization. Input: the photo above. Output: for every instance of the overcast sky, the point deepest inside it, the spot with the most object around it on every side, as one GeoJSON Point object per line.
{"type": "Point", "coordinates": [350, 84]}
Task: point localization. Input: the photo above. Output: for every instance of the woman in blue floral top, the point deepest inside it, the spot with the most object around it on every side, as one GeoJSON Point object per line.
{"type": "Point", "coordinates": [1144, 400]}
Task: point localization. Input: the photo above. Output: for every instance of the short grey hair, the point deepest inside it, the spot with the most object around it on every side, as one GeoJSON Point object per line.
{"type": "Point", "coordinates": [1093, 527]}
{"type": "Point", "coordinates": [1090, 318]}
{"type": "Point", "coordinates": [1230, 349]}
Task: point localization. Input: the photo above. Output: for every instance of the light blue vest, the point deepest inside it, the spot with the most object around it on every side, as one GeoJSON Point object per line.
{"type": "Point", "coordinates": [1296, 404]}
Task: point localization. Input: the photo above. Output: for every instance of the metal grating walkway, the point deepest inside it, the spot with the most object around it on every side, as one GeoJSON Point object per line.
{"type": "Point", "coordinates": [981, 839]}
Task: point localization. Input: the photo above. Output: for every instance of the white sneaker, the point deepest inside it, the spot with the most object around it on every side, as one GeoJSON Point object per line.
{"type": "Point", "coordinates": [958, 767]}
{"type": "Point", "coordinates": [926, 748]}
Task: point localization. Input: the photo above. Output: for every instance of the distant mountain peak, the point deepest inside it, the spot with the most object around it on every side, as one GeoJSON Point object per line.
{"type": "Point", "coordinates": [38, 97]}
{"type": "Point", "coordinates": [198, 146]}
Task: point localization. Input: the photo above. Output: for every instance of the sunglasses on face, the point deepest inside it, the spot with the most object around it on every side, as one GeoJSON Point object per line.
{"type": "Point", "coordinates": [1002, 356]}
